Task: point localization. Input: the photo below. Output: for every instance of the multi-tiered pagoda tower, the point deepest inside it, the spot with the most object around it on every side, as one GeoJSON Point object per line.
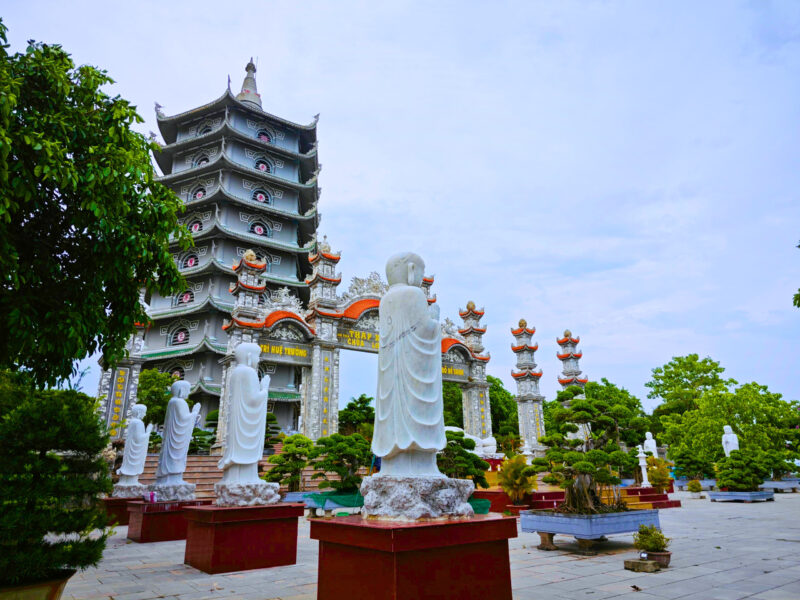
{"type": "Point", "coordinates": [569, 357]}
{"type": "Point", "coordinates": [249, 181]}
{"type": "Point", "coordinates": [529, 401]}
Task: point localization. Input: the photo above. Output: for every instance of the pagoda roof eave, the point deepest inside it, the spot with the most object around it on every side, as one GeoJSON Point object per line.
{"type": "Point", "coordinates": [567, 340]}
{"type": "Point", "coordinates": [176, 312]}
{"type": "Point", "coordinates": [168, 125]}
{"type": "Point", "coordinates": [525, 329]}
{"type": "Point", "coordinates": [248, 237]}
{"type": "Point", "coordinates": [214, 390]}
{"type": "Point", "coordinates": [220, 191]}
{"type": "Point", "coordinates": [215, 264]}
{"type": "Point", "coordinates": [526, 374]}
{"type": "Point", "coordinates": [183, 351]}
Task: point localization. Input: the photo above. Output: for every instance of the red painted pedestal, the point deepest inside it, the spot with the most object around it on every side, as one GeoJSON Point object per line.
{"type": "Point", "coordinates": [159, 521]}
{"type": "Point", "coordinates": [224, 539]}
{"type": "Point", "coordinates": [117, 510]}
{"type": "Point", "coordinates": [386, 560]}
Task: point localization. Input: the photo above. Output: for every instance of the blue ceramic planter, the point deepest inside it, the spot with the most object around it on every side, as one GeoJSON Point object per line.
{"type": "Point", "coordinates": [780, 486]}
{"type": "Point", "coordinates": [741, 496]}
{"type": "Point", "coordinates": [587, 527]}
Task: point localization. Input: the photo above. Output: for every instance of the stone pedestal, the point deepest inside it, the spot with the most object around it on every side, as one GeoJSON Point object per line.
{"type": "Point", "coordinates": [247, 494]}
{"type": "Point", "coordinates": [224, 539]}
{"type": "Point", "coordinates": [129, 491]}
{"type": "Point", "coordinates": [159, 521]}
{"type": "Point", "coordinates": [383, 560]}
{"type": "Point", "coordinates": [183, 492]}
{"type": "Point", "coordinates": [116, 510]}
{"type": "Point", "coordinates": [412, 498]}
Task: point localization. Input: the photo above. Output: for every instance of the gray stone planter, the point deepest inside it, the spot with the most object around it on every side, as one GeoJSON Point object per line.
{"type": "Point", "coordinates": [741, 496]}
{"type": "Point", "coordinates": [780, 486]}
{"type": "Point", "coordinates": [706, 484]}
{"type": "Point", "coordinates": [294, 497]}
{"type": "Point", "coordinates": [585, 528]}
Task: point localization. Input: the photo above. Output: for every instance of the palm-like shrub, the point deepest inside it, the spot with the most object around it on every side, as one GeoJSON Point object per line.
{"type": "Point", "coordinates": [52, 473]}
{"type": "Point", "coordinates": [517, 478]}
{"type": "Point", "coordinates": [458, 462]}
{"type": "Point", "coordinates": [343, 455]}
{"type": "Point", "coordinates": [289, 464]}
{"type": "Point", "coordinates": [658, 472]}
{"type": "Point", "coordinates": [650, 539]}
{"type": "Point", "coordinates": [742, 472]}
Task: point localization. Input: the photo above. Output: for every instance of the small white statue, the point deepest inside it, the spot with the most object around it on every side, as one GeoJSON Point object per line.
{"type": "Point", "coordinates": [245, 434]}
{"type": "Point", "coordinates": [178, 428]}
{"type": "Point", "coordinates": [489, 445]}
{"type": "Point", "coordinates": [730, 441]}
{"type": "Point", "coordinates": [137, 438]}
{"type": "Point", "coordinates": [409, 417]}
{"type": "Point", "coordinates": [650, 444]}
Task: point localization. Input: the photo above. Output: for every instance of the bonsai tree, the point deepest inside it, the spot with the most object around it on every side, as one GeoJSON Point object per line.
{"type": "Point", "coordinates": [579, 466]}
{"type": "Point", "coordinates": [212, 419]}
{"type": "Point", "coordinates": [777, 464]}
{"type": "Point", "coordinates": [358, 411]}
{"type": "Point", "coordinates": [742, 472]}
{"type": "Point", "coordinates": [689, 465]}
{"type": "Point", "coordinates": [289, 464]}
{"type": "Point", "coordinates": [458, 462]}
{"type": "Point", "coordinates": [649, 538]}
{"type": "Point", "coordinates": [517, 478]}
{"type": "Point", "coordinates": [343, 455]}
{"type": "Point", "coordinates": [201, 441]}
{"type": "Point", "coordinates": [272, 431]}
{"type": "Point", "coordinates": [52, 473]}
{"type": "Point", "coordinates": [658, 472]}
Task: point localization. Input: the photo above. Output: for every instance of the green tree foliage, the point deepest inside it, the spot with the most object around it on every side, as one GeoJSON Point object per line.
{"type": "Point", "coordinates": [680, 383]}
{"type": "Point", "coordinates": [742, 472]}
{"type": "Point", "coordinates": [761, 419]}
{"type": "Point", "coordinates": [650, 539]}
{"type": "Point", "coordinates": [453, 405]}
{"type": "Point", "coordinates": [154, 393]}
{"type": "Point", "coordinates": [517, 478]}
{"type": "Point", "coordinates": [83, 223]}
{"type": "Point", "coordinates": [289, 464]}
{"type": "Point", "coordinates": [343, 455]}
{"type": "Point", "coordinates": [212, 419]}
{"type": "Point", "coordinates": [503, 405]}
{"type": "Point", "coordinates": [201, 441]}
{"type": "Point", "coordinates": [51, 476]}
{"type": "Point", "coordinates": [271, 431]}
{"type": "Point", "coordinates": [508, 442]}
{"type": "Point", "coordinates": [358, 410]}
{"type": "Point", "coordinates": [690, 466]}
{"type": "Point", "coordinates": [658, 472]}
{"type": "Point", "coordinates": [580, 466]}
{"type": "Point", "coordinates": [456, 460]}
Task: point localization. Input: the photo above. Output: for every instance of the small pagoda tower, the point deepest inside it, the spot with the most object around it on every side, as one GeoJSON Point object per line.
{"type": "Point", "coordinates": [529, 400]}
{"type": "Point", "coordinates": [569, 356]}
{"type": "Point", "coordinates": [476, 403]}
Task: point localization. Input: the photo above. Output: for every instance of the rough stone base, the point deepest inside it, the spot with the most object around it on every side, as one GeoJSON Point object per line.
{"type": "Point", "coordinates": [642, 566]}
{"type": "Point", "coordinates": [129, 491]}
{"type": "Point", "coordinates": [183, 492]}
{"type": "Point", "coordinates": [247, 494]}
{"type": "Point", "coordinates": [416, 498]}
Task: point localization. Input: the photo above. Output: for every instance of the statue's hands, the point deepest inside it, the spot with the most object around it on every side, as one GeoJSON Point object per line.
{"type": "Point", "coordinates": [434, 309]}
{"type": "Point", "coordinates": [265, 384]}
{"type": "Point", "coordinates": [196, 409]}
{"type": "Point", "coordinates": [149, 429]}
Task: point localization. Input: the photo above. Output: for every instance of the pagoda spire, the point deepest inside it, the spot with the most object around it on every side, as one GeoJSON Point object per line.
{"type": "Point", "coordinates": [529, 401]}
{"type": "Point", "coordinates": [249, 91]}
{"type": "Point", "coordinates": [569, 356]}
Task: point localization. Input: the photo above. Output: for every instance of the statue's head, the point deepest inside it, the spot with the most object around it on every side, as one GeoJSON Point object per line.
{"type": "Point", "coordinates": [181, 389]}
{"type": "Point", "coordinates": [405, 268]}
{"type": "Point", "coordinates": [247, 353]}
{"type": "Point", "coordinates": [727, 429]}
{"type": "Point", "coordinates": [138, 411]}
{"type": "Point", "coordinates": [648, 435]}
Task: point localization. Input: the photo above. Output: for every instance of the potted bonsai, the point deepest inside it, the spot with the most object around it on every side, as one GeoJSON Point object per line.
{"type": "Point", "coordinates": [289, 464]}
{"type": "Point", "coordinates": [695, 487]}
{"type": "Point", "coordinates": [52, 473]}
{"type": "Point", "coordinates": [458, 461]}
{"type": "Point", "coordinates": [582, 467]}
{"type": "Point", "coordinates": [343, 456]}
{"type": "Point", "coordinates": [651, 541]}
{"type": "Point", "coordinates": [690, 464]}
{"type": "Point", "coordinates": [739, 477]}
{"type": "Point", "coordinates": [517, 479]}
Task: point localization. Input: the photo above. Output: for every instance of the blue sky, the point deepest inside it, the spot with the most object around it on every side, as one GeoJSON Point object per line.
{"type": "Point", "coordinates": [624, 169]}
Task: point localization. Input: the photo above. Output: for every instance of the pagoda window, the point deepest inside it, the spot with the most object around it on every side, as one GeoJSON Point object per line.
{"type": "Point", "coordinates": [190, 261]}
{"type": "Point", "coordinates": [179, 337]}
{"type": "Point", "coordinates": [205, 129]}
{"type": "Point", "coordinates": [186, 297]}
{"type": "Point", "coordinates": [263, 165]}
{"type": "Point", "coordinates": [264, 136]}
{"type": "Point", "coordinates": [261, 229]}
{"type": "Point", "coordinates": [262, 196]}
{"type": "Point", "coordinates": [196, 226]}
{"type": "Point", "coordinates": [177, 373]}
{"type": "Point", "coordinates": [198, 193]}
{"type": "Point", "coordinates": [202, 159]}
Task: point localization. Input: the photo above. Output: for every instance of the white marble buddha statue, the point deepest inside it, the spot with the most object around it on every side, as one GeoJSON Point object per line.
{"type": "Point", "coordinates": [178, 428]}
{"type": "Point", "coordinates": [137, 438]}
{"type": "Point", "coordinates": [409, 422]}
{"type": "Point", "coordinates": [730, 441]}
{"type": "Point", "coordinates": [650, 444]}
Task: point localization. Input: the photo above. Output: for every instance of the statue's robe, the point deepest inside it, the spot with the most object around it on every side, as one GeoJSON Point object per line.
{"type": "Point", "coordinates": [137, 439]}
{"type": "Point", "coordinates": [247, 419]}
{"type": "Point", "coordinates": [650, 446]}
{"type": "Point", "coordinates": [178, 429]}
{"type": "Point", "coordinates": [408, 407]}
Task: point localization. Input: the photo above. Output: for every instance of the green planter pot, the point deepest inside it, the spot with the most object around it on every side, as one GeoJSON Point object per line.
{"type": "Point", "coordinates": [44, 590]}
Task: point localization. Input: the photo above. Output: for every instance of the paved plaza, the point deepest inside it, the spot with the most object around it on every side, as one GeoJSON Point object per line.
{"type": "Point", "coordinates": [721, 551]}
